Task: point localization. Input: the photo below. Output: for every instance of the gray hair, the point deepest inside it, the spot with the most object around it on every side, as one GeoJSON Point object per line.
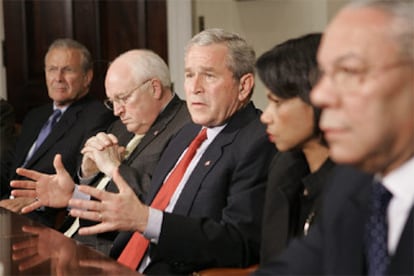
{"type": "Point", "coordinates": [402, 26]}
{"type": "Point", "coordinates": [242, 56]}
{"type": "Point", "coordinates": [86, 63]}
{"type": "Point", "coordinates": [145, 65]}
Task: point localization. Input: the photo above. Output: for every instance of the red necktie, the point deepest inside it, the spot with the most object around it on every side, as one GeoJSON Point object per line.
{"type": "Point", "coordinates": [134, 251]}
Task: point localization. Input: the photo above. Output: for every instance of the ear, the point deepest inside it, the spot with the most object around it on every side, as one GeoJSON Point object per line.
{"type": "Point", "coordinates": [246, 86]}
{"type": "Point", "coordinates": [88, 78]}
{"type": "Point", "coordinates": [156, 89]}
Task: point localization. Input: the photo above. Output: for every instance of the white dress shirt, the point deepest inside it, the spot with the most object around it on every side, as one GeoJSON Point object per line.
{"type": "Point", "coordinates": [400, 183]}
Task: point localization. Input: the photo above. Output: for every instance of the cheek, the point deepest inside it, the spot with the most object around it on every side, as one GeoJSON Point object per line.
{"type": "Point", "coordinates": [296, 126]}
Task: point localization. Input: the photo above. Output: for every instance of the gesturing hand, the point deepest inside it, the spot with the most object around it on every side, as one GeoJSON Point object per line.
{"type": "Point", "coordinates": [121, 211]}
{"type": "Point", "coordinates": [49, 190]}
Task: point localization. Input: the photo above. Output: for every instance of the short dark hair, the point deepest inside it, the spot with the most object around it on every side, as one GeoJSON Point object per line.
{"type": "Point", "coordinates": [290, 69]}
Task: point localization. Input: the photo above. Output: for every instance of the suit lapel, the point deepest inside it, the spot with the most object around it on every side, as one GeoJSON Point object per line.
{"type": "Point", "coordinates": [211, 156]}
{"type": "Point", "coordinates": [158, 126]}
{"type": "Point", "coordinates": [68, 119]}
{"type": "Point", "coordinates": [167, 163]}
{"type": "Point", "coordinates": [206, 163]}
{"type": "Point", "coordinates": [350, 225]}
{"type": "Point", "coordinates": [33, 130]}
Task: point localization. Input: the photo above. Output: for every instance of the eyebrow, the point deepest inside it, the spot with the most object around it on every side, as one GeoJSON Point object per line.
{"type": "Point", "coordinates": [203, 69]}
{"type": "Point", "coordinates": [346, 57]}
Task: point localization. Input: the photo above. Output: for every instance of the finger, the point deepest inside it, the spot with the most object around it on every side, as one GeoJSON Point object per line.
{"type": "Point", "coordinates": [31, 262]}
{"type": "Point", "coordinates": [32, 242]}
{"type": "Point", "coordinates": [82, 205]}
{"type": "Point", "coordinates": [95, 229]}
{"type": "Point", "coordinates": [28, 173]}
{"type": "Point", "coordinates": [23, 184]}
{"type": "Point", "coordinates": [24, 193]}
{"type": "Point", "coordinates": [24, 253]}
{"type": "Point", "coordinates": [88, 215]}
{"type": "Point", "coordinates": [31, 207]}
{"type": "Point", "coordinates": [35, 230]}
{"type": "Point", "coordinates": [120, 182]}
{"type": "Point", "coordinates": [89, 149]}
{"type": "Point", "coordinates": [94, 192]}
{"type": "Point", "coordinates": [58, 164]}
{"type": "Point", "coordinates": [113, 139]}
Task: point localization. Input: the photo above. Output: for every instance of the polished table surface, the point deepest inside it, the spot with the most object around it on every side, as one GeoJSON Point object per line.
{"type": "Point", "coordinates": [29, 248]}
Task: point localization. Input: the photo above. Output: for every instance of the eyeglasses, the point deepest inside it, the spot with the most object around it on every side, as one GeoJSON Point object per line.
{"type": "Point", "coordinates": [349, 79]}
{"type": "Point", "coordinates": [124, 98]}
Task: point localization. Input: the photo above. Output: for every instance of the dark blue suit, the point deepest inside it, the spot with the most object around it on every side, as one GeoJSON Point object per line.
{"type": "Point", "coordinates": [335, 244]}
{"type": "Point", "coordinates": [80, 121]}
{"type": "Point", "coordinates": [216, 221]}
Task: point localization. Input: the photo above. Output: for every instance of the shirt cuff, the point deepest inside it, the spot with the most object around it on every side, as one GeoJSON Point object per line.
{"type": "Point", "coordinates": [85, 180]}
{"type": "Point", "coordinates": [79, 195]}
{"type": "Point", "coordinates": [153, 230]}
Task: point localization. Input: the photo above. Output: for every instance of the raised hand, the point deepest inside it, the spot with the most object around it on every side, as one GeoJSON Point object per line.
{"type": "Point", "coordinates": [49, 190]}
{"type": "Point", "coordinates": [121, 211]}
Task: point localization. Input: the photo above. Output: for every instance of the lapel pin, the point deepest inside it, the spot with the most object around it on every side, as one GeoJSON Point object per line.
{"type": "Point", "coordinates": [207, 163]}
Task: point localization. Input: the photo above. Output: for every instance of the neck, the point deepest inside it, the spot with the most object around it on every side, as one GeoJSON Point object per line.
{"type": "Point", "coordinates": [316, 154]}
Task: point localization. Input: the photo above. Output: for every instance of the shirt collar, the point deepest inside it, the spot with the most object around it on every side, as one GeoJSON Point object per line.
{"type": "Point", "coordinates": [400, 182]}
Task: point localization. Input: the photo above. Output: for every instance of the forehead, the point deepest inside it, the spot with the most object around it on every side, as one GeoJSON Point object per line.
{"type": "Point", "coordinates": [63, 55]}
{"type": "Point", "coordinates": [209, 55]}
{"type": "Point", "coordinates": [119, 78]}
{"type": "Point", "coordinates": [362, 33]}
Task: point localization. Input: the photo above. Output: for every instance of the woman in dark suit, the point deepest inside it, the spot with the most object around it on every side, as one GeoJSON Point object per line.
{"type": "Point", "coordinates": [298, 173]}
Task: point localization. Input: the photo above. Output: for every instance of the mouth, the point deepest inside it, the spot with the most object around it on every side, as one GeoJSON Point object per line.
{"type": "Point", "coordinates": [332, 133]}
{"type": "Point", "coordinates": [197, 104]}
{"type": "Point", "coordinates": [270, 137]}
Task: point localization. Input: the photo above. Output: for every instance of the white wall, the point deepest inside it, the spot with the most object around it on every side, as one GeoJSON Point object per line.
{"type": "Point", "coordinates": [264, 23]}
{"type": "Point", "coordinates": [179, 18]}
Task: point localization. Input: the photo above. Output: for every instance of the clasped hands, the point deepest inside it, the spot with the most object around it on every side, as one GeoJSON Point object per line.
{"type": "Point", "coordinates": [121, 211]}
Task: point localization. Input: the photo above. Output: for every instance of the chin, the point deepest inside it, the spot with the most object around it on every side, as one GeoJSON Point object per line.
{"type": "Point", "coordinates": [199, 120]}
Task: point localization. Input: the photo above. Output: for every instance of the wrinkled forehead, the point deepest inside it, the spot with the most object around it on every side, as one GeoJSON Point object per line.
{"type": "Point", "coordinates": [363, 33]}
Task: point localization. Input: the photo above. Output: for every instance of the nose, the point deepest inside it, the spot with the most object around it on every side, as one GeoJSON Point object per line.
{"type": "Point", "coordinates": [118, 108]}
{"type": "Point", "coordinates": [265, 118]}
{"type": "Point", "coordinates": [323, 94]}
{"type": "Point", "coordinates": [193, 85]}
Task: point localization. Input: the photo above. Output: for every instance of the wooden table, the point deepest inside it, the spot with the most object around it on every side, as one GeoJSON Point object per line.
{"type": "Point", "coordinates": [29, 248]}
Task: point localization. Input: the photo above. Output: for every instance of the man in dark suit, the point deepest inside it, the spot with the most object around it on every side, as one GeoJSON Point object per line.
{"type": "Point", "coordinates": [367, 97]}
{"type": "Point", "coordinates": [69, 72]}
{"type": "Point", "coordinates": [150, 112]}
{"type": "Point", "coordinates": [139, 92]}
{"type": "Point", "coordinates": [213, 218]}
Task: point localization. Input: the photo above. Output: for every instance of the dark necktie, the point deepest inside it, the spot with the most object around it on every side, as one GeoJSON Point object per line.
{"type": "Point", "coordinates": [45, 131]}
{"type": "Point", "coordinates": [136, 247]}
{"type": "Point", "coordinates": [377, 231]}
